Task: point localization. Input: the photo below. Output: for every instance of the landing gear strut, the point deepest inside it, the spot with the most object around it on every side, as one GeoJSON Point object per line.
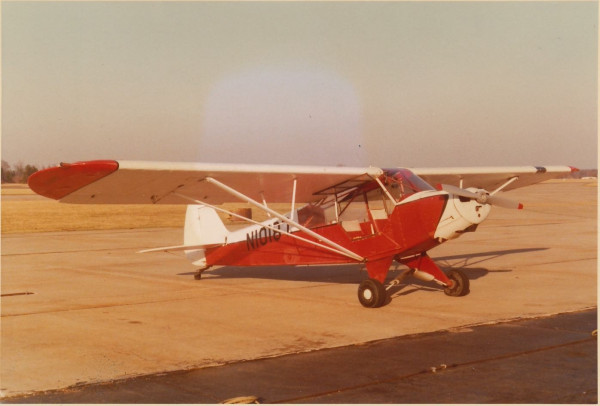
{"type": "Point", "coordinates": [372, 293]}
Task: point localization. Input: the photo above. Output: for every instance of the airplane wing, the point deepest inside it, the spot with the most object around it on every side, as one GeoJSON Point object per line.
{"type": "Point", "coordinates": [138, 182]}
{"type": "Point", "coordinates": [141, 182]}
{"type": "Point", "coordinates": [491, 178]}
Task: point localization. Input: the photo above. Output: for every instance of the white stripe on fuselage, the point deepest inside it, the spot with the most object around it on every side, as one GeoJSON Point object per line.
{"type": "Point", "coordinates": [261, 234]}
{"type": "Point", "coordinates": [422, 195]}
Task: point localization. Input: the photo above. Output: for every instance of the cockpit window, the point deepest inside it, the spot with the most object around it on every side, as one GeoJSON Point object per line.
{"type": "Point", "coordinates": [402, 183]}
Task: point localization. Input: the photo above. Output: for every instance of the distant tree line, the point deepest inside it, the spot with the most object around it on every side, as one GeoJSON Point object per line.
{"type": "Point", "coordinates": [17, 173]}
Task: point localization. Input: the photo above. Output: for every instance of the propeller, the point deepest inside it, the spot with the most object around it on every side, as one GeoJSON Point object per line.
{"type": "Point", "coordinates": [483, 197]}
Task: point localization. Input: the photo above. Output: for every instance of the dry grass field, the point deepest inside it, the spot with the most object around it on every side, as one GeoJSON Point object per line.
{"type": "Point", "coordinates": [22, 214]}
{"type": "Point", "coordinates": [31, 216]}
{"type": "Point", "coordinates": [16, 189]}
{"type": "Point", "coordinates": [25, 212]}
{"type": "Point", "coordinates": [40, 216]}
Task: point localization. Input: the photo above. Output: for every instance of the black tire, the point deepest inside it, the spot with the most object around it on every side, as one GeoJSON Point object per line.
{"type": "Point", "coordinates": [371, 293]}
{"type": "Point", "coordinates": [198, 276]}
{"type": "Point", "coordinates": [461, 283]}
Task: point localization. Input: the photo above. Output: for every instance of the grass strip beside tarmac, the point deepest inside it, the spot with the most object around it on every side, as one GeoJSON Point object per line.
{"type": "Point", "coordinates": [45, 215]}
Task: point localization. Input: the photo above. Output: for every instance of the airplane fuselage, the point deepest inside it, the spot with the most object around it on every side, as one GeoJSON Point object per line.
{"type": "Point", "coordinates": [408, 230]}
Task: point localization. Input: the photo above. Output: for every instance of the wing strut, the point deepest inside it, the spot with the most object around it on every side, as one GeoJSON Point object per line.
{"type": "Point", "coordinates": [278, 230]}
{"type": "Point", "coordinates": [286, 220]}
{"type": "Point", "coordinates": [293, 200]}
{"type": "Point", "coordinates": [511, 180]}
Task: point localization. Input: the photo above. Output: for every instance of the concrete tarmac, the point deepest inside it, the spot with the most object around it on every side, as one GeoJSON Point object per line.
{"type": "Point", "coordinates": [84, 308]}
{"type": "Point", "coordinates": [545, 360]}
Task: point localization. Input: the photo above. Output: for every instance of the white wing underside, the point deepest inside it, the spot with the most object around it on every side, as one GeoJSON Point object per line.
{"type": "Point", "coordinates": [137, 182]}
{"type": "Point", "coordinates": [160, 182]}
{"type": "Point", "coordinates": [491, 178]}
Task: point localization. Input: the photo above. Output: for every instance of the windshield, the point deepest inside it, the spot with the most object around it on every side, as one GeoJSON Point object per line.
{"type": "Point", "coordinates": [402, 183]}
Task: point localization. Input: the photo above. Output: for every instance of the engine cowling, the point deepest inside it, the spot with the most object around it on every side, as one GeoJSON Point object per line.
{"type": "Point", "coordinates": [461, 215]}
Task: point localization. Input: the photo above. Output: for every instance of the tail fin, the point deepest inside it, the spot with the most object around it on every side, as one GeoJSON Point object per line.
{"type": "Point", "coordinates": [203, 226]}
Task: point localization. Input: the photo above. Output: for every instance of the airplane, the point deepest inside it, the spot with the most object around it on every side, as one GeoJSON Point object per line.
{"type": "Point", "coordinates": [350, 215]}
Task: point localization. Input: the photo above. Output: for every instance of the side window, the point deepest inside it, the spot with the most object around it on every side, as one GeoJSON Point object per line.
{"type": "Point", "coordinates": [395, 189]}
{"type": "Point", "coordinates": [311, 216]}
{"type": "Point", "coordinates": [379, 204]}
{"type": "Point", "coordinates": [404, 183]}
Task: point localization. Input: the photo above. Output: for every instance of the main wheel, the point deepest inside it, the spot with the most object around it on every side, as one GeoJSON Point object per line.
{"type": "Point", "coordinates": [460, 286]}
{"type": "Point", "coordinates": [371, 293]}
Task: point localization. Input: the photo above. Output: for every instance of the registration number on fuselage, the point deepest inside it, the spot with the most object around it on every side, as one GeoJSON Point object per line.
{"type": "Point", "coordinates": [265, 235]}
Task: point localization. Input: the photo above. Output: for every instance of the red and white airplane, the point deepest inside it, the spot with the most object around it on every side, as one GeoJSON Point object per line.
{"type": "Point", "coordinates": [369, 216]}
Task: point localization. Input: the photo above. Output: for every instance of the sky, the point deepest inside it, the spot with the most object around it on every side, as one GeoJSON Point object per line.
{"type": "Point", "coordinates": [386, 84]}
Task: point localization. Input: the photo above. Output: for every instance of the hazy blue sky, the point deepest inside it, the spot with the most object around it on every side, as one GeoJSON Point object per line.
{"type": "Point", "coordinates": [385, 84]}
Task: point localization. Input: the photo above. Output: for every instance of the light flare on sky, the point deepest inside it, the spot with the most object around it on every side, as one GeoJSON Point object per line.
{"type": "Point", "coordinates": [412, 83]}
{"type": "Point", "coordinates": [283, 115]}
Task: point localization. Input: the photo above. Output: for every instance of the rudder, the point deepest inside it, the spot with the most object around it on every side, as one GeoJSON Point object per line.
{"type": "Point", "coordinates": [203, 226]}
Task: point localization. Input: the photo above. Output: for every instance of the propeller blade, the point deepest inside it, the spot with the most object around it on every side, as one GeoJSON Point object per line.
{"type": "Point", "coordinates": [504, 202]}
{"type": "Point", "coordinates": [460, 192]}
{"type": "Point", "coordinates": [483, 197]}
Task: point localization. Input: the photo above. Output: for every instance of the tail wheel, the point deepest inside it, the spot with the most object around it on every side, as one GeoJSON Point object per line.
{"type": "Point", "coordinates": [371, 293]}
{"type": "Point", "coordinates": [460, 283]}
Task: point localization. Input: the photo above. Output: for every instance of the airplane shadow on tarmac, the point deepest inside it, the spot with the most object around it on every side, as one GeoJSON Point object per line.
{"type": "Point", "coordinates": [354, 274]}
{"type": "Point", "coordinates": [464, 260]}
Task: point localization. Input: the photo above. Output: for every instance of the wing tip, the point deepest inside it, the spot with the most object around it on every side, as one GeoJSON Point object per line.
{"type": "Point", "coordinates": [60, 181]}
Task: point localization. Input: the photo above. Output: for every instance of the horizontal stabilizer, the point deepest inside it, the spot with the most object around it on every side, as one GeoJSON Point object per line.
{"type": "Point", "coordinates": [180, 248]}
